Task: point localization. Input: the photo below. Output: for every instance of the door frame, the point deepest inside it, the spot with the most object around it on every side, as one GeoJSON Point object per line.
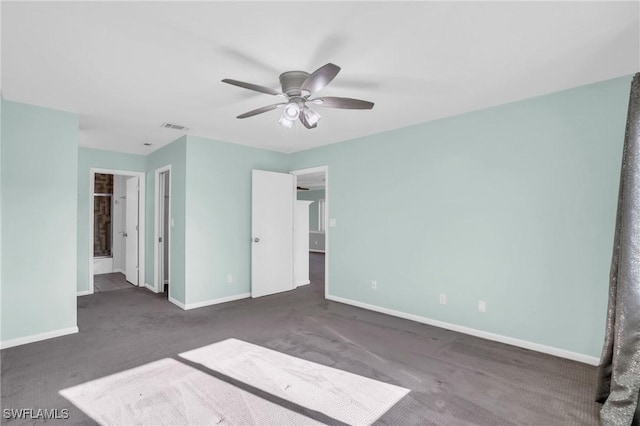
{"type": "Point", "coordinates": [324, 169]}
{"type": "Point", "coordinates": [158, 287]}
{"type": "Point", "coordinates": [141, 215]}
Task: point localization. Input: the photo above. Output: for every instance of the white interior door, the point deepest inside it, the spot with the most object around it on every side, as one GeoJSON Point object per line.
{"type": "Point", "coordinates": [131, 231]}
{"type": "Point", "coordinates": [272, 203]}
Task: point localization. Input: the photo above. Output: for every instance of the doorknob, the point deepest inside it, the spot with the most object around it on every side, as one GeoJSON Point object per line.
{"type": "Point", "coordinates": [256, 240]}
{"type": "Point", "coordinates": [124, 234]}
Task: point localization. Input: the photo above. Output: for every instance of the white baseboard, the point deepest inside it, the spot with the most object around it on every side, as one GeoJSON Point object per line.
{"type": "Point", "coordinates": [150, 287]}
{"type": "Point", "coordinates": [176, 302]}
{"type": "Point", "coordinates": [217, 301]}
{"type": "Point", "coordinates": [562, 353]}
{"type": "Point", "coordinates": [120, 270]}
{"type": "Point", "coordinates": [303, 283]}
{"type": "Point", "coordinates": [37, 337]}
{"type": "Point", "coordinates": [84, 293]}
{"type": "Point", "coordinates": [316, 251]}
{"type": "Point", "coordinates": [209, 302]}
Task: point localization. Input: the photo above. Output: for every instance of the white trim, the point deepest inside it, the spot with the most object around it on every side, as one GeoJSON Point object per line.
{"type": "Point", "coordinates": [84, 293]}
{"type": "Point", "coordinates": [217, 301]}
{"type": "Point", "coordinates": [150, 287]}
{"type": "Point", "coordinates": [303, 283]}
{"type": "Point", "coordinates": [37, 337]}
{"type": "Point", "coordinates": [120, 271]}
{"type": "Point", "coordinates": [141, 219]}
{"type": "Point", "coordinates": [562, 353]}
{"type": "Point", "coordinates": [324, 169]}
{"type": "Point", "coordinates": [209, 302]}
{"type": "Point", "coordinates": [322, 212]}
{"type": "Point", "coordinates": [316, 251]}
{"type": "Point", "coordinates": [157, 287]}
{"type": "Point", "coordinates": [176, 302]}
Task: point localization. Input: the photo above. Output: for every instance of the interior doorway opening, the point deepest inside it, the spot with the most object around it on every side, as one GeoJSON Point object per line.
{"type": "Point", "coordinates": [116, 230]}
{"type": "Point", "coordinates": [311, 227]}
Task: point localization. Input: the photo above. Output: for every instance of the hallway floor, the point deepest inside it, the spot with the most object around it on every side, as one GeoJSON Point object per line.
{"type": "Point", "coordinates": [110, 282]}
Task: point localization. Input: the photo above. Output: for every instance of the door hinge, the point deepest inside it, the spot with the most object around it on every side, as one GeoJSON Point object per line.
{"type": "Point", "coordinates": [160, 239]}
{"type": "Point", "coordinates": [136, 227]}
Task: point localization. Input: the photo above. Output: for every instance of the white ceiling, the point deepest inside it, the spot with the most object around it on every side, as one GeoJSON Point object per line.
{"type": "Point", "coordinates": [127, 67]}
{"type": "Point", "coordinates": [315, 180]}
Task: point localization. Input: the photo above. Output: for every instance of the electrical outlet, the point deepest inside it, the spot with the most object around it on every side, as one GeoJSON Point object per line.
{"type": "Point", "coordinates": [443, 299]}
{"type": "Point", "coordinates": [229, 278]}
{"type": "Point", "coordinates": [374, 284]}
{"type": "Point", "coordinates": [482, 306]}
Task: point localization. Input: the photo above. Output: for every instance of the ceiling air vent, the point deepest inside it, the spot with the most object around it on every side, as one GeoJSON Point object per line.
{"type": "Point", "coordinates": [173, 126]}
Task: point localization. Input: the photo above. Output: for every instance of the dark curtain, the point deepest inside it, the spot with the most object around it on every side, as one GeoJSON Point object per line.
{"type": "Point", "coordinates": [619, 370]}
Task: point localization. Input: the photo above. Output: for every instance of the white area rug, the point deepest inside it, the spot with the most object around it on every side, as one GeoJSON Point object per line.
{"type": "Point", "coordinates": [168, 392]}
{"type": "Point", "coordinates": [340, 395]}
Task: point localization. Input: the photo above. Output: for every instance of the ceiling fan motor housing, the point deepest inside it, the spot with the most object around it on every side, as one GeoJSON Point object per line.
{"type": "Point", "coordinates": [291, 81]}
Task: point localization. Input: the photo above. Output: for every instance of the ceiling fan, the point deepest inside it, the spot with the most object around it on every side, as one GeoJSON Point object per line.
{"type": "Point", "coordinates": [297, 88]}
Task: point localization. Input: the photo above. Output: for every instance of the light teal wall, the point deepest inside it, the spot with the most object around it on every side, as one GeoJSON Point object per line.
{"type": "Point", "coordinates": [218, 215]}
{"type": "Point", "coordinates": [173, 154]}
{"type": "Point", "coordinates": [87, 159]}
{"type": "Point", "coordinates": [39, 210]}
{"type": "Point", "coordinates": [513, 205]}
{"type": "Point", "coordinates": [312, 195]}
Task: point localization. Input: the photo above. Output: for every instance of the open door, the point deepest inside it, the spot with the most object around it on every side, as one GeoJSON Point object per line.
{"type": "Point", "coordinates": [272, 199]}
{"type": "Point", "coordinates": [131, 233]}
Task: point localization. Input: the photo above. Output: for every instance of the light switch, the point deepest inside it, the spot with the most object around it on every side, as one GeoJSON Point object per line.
{"type": "Point", "coordinates": [332, 223]}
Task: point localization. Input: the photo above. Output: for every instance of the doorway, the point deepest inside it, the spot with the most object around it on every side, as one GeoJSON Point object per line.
{"type": "Point", "coordinates": [311, 245]}
{"type": "Point", "coordinates": [116, 235]}
{"type": "Point", "coordinates": [162, 230]}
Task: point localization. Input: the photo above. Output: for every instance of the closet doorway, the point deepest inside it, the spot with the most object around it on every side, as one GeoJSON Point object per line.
{"type": "Point", "coordinates": [116, 239]}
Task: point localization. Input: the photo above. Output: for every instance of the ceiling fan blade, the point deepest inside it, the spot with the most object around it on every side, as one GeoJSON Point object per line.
{"type": "Point", "coordinates": [345, 103]}
{"type": "Point", "coordinates": [260, 110]}
{"type": "Point", "coordinates": [251, 86]}
{"type": "Point", "coordinates": [320, 78]}
{"type": "Point", "coordinates": [306, 123]}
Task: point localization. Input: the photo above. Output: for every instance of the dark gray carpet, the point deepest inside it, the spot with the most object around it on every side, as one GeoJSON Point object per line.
{"type": "Point", "coordinates": [454, 379]}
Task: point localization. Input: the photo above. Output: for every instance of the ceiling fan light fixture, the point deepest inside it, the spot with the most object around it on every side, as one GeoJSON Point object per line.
{"type": "Point", "coordinates": [312, 116]}
{"type": "Point", "coordinates": [291, 111]}
{"type": "Point", "coordinates": [285, 122]}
